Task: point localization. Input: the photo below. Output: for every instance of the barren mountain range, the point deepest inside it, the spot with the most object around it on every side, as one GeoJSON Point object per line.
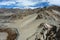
{"type": "Point", "coordinates": [31, 22]}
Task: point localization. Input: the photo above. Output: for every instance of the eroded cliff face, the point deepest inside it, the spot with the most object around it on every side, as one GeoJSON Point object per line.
{"type": "Point", "coordinates": [31, 24]}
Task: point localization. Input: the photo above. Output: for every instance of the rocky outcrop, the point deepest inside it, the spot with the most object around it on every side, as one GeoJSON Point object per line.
{"type": "Point", "coordinates": [12, 33]}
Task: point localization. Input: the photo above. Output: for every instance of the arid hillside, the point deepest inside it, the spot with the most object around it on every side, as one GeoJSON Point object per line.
{"type": "Point", "coordinates": [32, 24]}
{"type": "Point", "coordinates": [25, 12]}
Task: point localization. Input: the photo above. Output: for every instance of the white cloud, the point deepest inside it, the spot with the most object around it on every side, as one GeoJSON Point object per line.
{"type": "Point", "coordinates": [7, 3]}
{"type": "Point", "coordinates": [25, 3]}
{"type": "Point", "coordinates": [54, 2]}
{"type": "Point", "coordinates": [33, 2]}
{"type": "Point", "coordinates": [28, 3]}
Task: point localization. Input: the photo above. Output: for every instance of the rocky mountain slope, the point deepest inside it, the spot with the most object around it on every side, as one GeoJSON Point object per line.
{"type": "Point", "coordinates": [31, 22]}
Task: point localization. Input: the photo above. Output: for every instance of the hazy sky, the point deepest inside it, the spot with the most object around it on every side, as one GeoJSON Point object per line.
{"type": "Point", "coordinates": [27, 3]}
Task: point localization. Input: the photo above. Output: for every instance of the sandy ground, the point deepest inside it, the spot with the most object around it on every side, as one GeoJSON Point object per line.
{"type": "Point", "coordinates": [26, 26]}
{"type": "Point", "coordinates": [29, 29]}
